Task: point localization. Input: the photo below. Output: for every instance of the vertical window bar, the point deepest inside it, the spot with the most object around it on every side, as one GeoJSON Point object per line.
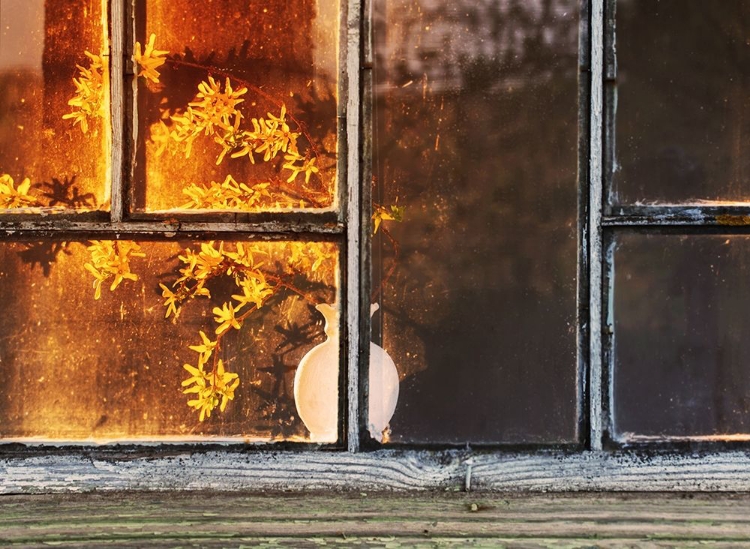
{"type": "Point", "coordinates": [582, 347]}
{"type": "Point", "coordinates": [608, 240]}
{"type": "Point", "coordinates": [135, 21]}
{"type": "Point", "coordinates": [357, 248]}
{"type": "Point", "coordinates": [609, 245]}
{"type": "Point", "coordinates": [117, 98]}
{"type": "Point", "coordinates": [610, 105]}
{"type": "Point", "coordinates": [595, 217]}
{"type": "Point", "coordinates": [366, 136]}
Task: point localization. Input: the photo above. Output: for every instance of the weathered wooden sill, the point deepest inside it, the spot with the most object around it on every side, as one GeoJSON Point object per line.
{"type": "Point", "coordinates": [426, 519]}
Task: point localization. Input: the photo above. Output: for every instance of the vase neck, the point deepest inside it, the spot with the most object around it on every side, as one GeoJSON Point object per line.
{"type": "Point", "coordinates": [331, 314]}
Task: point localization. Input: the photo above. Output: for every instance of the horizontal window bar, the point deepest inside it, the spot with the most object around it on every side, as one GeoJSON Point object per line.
{"type": "Point", "coordinates": [172, 228]}
{"type": "Point", "coordinates": [699, 214]}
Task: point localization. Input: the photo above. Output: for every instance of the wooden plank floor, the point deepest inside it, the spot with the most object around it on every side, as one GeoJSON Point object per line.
{"type": "Point", "coordinates": [199, 519]}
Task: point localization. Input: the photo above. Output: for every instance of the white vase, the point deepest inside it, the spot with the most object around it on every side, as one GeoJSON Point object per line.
{"type": "Point", "coordinates": [317, 378]}
{"type": "Point", "coordinates": [383, 388]}
{"type": "Point", "coordinates": [316, 382]}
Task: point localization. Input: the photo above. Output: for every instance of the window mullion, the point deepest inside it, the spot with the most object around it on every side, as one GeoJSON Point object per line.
{"type": "Point", "coordinates": [356, 350]}
{"type": "Point", "coordinates": [117, 98]}
{"type": "Point", "coordinates": [595, 218]}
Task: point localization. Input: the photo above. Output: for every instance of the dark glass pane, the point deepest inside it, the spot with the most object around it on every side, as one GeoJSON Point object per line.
{"type": "Point", "coordinates": [683, 101]}
{"type": "Point", "coordinates": [241, 90]}
{"type": "Point", "coordinates": [476, 134]}
{"type": "Point", "coordinates": [54, 105]}
{"type": "Point", "coordinates": [74, 367]}
{"type": "Point", "coordinates": [681, 320]}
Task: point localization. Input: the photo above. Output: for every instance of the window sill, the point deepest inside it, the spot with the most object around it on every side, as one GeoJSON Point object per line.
{"type": "Point", "coordinates": [391, 470]}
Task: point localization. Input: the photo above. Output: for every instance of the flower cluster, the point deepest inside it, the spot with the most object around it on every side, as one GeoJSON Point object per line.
{"type": "Point", "coordinates": [217, 386]}
{"type": "Point", "coordinates": [231, 195]}
{"type": "Point", "coordinates": [111, 259]}
{"type": "Point", "coordinates": [149, 60]}
{"type": "Point", "coordinates": [15, 197]}
{"type": "Point", "coordinates": [269, 136]}
{"type": "Point", "coordinates": [214, 112]}
{"type": "Point", "coordinates": [199, 267]}
{"type": "Point", "coordinates": [211, 110]}
{"type": "Point", "coordinates": [88, 101]}
{"type": "Point", "coordinates": [309, 257]}
{"type": "Point", "coordinates": [211, 389]}
{"type": "Point", "coordinates": [251, 270]}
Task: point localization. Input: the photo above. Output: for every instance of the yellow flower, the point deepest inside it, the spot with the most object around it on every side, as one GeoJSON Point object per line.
{"type": "Point", "coordinates": [214, 107]}
{"type": "Point", "coordinates": [112, 259]}
{"type": "Point", "coordinates": [198, 377]}
{"type": "Point", "coordinates": [225, 384]}
{"type": "Point", "coordinates": [98, 279]}
{"type": "Point", "coordinates": [211, 389]}
{"type": "Point", "coordinates": [170, 300]}
{"type": "Point", "coordinates": [255, 290]}
{"type": "Point", "coordinates": [308, 167]}
{"type": "Point", "coordinates": [208, 260]}
{"type": "Point", "coordinates": [225, 318]}
{"type": "Point", "coordinates": [149, 60]}
{"type": "Point", "coordinates": [89, 98]}
{"type": "Point", "coordinates": [15, 197]}
{"type": "Point", "coordinates": [381, 213]}
{"type": "Point", "coordinates": [205, 349]}
{"type": "Point", "coordinates": [228, 195]}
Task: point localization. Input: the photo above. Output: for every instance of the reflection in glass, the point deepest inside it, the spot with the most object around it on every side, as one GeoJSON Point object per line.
{"type": "Point", "coordinates": [106, 362]}
{"type": "Point", "coordinates": [476, 134]}
{"type": "Point", "coordinates": [53, 66]}
{"type": "Point", "coordinates": [240, 109]}
{"type": "Point", "coordinates": [681, 337]}
{"type": "Point", "coordinates": [683, 114]}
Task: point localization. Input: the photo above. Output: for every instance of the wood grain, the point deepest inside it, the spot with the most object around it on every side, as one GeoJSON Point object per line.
{"type": "Point", "coordinates": [117, 71]}
{"type": "Point", "coordinates": [355, 243]}
{"type": "Point", "coordinates": [594, 226]}
{"type": "Point", "coordinates": [375, 520]}
{"type": "Point", "coordinates": [108, 470]}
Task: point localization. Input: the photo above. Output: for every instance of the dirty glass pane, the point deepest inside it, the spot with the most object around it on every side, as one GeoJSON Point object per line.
{"type": "Point", "coordinates": [54, 105]}
{"type": "Point", "coordinates": [681, 325]}
{"type": "Point", "coordinates": [683, 101]}
{"type": "Point", "coordinates": [237, 105]}
{"type": "Point", "coordinates": [475, 154]}
{"type": "Point", "coordinates": [243, 316]}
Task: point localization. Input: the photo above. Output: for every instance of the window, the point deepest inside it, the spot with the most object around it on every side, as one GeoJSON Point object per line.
{"type": "Point", "coordinates": [476, 124]}
{"type": "Point", "coordinates": [527, 245]}
{"type": "Point", "coordinates": [675, 224]}
{"type": "Point", "coordinates": [193, 182]}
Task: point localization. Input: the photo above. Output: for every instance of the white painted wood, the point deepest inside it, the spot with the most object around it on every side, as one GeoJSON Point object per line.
{"type": "Point", "coordinates": [117, 42]}
{"type": "Point", "coordinates": [382, 470]}
{"type": "Point", "coordinates": [353, 219]}
{"type": "Point", "coordinates": [595, 219]}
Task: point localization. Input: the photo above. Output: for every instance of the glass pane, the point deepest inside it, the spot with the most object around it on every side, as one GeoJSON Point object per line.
{"type": "Point", "coordinates": [476, 153]}
{"type": "Point", "coordinates": [94, 363]}
{"type": "Point", "coordinates": [237, 105]}
{"type": "Point", "coordinates": [681, 322]}
{"type": "Point", "coordinates": [683, 116]}
{"type": "Point", "coordinates": [54, 105]}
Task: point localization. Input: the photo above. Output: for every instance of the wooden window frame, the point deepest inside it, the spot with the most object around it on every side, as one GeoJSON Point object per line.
{"type": "Point", "coordinates": [598, 464]}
